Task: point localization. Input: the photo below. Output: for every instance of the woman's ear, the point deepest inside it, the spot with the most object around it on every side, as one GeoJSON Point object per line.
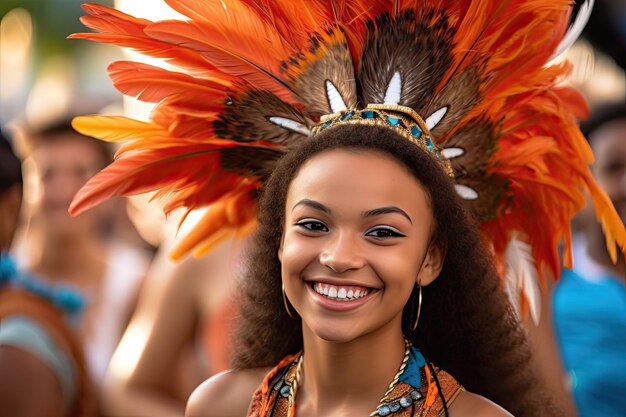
{"type": "Point", "coordinates": [433, 262]}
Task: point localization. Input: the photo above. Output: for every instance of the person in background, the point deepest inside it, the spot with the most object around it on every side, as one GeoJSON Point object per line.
{"type": "Point", "coordinates": [42, 369]}
{"type": "Point", "coordinates": [79, 251]}
{"type": "Point", "coordinates": [590, 300]}
{"type": "Point", "coordinates": [178, 336]}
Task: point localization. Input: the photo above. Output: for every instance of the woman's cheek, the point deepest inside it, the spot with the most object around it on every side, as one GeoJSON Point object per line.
{"type": "Point", "coordinates": [297, 252]}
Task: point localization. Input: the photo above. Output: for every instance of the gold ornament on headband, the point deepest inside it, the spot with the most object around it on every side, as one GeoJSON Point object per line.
{"type": "Point", "coordinates": [401, 119]}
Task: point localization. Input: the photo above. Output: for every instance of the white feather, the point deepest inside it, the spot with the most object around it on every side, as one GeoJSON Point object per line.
{"type": "Point", "coordinates": [574, 31]}
{"type": "Point", "coordinates": [521, 276]}
{"type": "Point", "coordinates": [435, 118]}
{"type": "Point", "coordinates": [466, 192]}
{"type": "Point", "coordinates": [450, 153]}
{"type": "Point", "coordinates": [290, 125]}
{"type": "Point", "coordinates": [334, 98]}
{"type": "Point", "coordinates": [394, 90]}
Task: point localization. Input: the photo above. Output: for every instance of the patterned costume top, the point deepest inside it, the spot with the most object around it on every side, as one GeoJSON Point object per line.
{"type": "Point", "coordinates": [418, 392]}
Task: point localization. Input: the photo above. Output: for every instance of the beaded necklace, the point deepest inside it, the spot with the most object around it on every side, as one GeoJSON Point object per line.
{"type": "Point", "coordinates": [385, 406]}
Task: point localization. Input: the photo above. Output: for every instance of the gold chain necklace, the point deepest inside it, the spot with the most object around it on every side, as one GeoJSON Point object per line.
{"type": "Point", "coordinates": [293, 388]}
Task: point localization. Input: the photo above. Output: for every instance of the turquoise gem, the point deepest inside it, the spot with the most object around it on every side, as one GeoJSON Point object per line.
{"type": "Point", "coordinates": [429, 143]}
{"type": "Point", "coordinates": [394, 406]}
{"type": "Point", "coordinates": [368, 114]}
{"type": "Point", "coordinates": [406, 402]}
{"type": "Point", "coordinates": [346, 116]}
{"type": "Point", "coordinates": [384, 411]}
{"type": "Point", "coordinates": [326, 124]}
{"type": "Point", "coordinates": [415, 131]}
{"type": "Point", "coordinates": [394, 121]}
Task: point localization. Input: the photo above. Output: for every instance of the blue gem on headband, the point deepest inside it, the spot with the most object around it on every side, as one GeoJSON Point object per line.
{"type": "Point", "coordinates": [401, 119]}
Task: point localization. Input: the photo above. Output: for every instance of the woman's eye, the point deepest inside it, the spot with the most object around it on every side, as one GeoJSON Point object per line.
{"type": "Point", "coordinates": [312, 225]}
{"type": "Point", "coordinates": [383, 232]}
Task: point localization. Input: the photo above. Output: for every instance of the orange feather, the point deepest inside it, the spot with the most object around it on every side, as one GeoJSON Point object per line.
{"type": "Point", "coordinates": [254, 55]}
{"type": "Point", "coordinates": [153, 84]}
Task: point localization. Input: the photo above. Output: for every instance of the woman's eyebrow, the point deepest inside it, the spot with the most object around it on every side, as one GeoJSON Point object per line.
{"type": "Point", "coordinates": [386, 210]}
{"type": "Point", "coordinates": [313, 204]}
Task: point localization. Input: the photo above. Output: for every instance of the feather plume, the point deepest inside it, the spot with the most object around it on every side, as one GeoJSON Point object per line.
{"type": "Point", "coordinates": [252, 78]}
{"type": "Point", "coordinates": [326, 60]}
{"type": "Point", "coordinates": [246, 119]}
{"type": "Point", "coordinates": [575, 29]}
{"type": "Point", "coordinates": [115, 128]}
{"type": "Point", "coordinates": [521, 278]}
{"type": "Point", "coordinates": [250, 55]}
{"type": "Point", "coordinates": [153, 84]}
{"type": "Point", "coordinates": [127, 31]}
{"type": "Point", "coordinates": [232, 212]}
{"type": "Point", "coordinates": [404, 44]}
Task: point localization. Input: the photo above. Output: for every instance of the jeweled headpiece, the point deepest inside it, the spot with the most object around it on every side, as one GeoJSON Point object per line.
{"type": "Point", "coordinates": [403, 120]}
{"type": "Point", "coordinates": [254, 77]}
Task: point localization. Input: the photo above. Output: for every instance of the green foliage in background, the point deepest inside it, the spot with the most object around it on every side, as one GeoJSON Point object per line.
{"type": "Point", "coordinates": [53, 21]}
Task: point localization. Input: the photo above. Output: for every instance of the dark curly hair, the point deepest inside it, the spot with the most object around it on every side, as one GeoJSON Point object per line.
{"type": "Point", "coordinates": [467, 325]}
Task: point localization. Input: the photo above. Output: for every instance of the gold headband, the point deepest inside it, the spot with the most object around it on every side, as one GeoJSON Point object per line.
{"type": "Point", "coordinates": [401, 119]}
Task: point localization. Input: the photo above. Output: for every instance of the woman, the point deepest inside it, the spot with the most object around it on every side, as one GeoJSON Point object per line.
{"type": "Point", "coordinates": [469, 82]}
{"type": "Point", "coordinates": [313, 233]}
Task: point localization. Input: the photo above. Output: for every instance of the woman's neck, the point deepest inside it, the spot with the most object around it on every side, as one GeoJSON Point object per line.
{"type": "Point", "coordinates": [348, 378]}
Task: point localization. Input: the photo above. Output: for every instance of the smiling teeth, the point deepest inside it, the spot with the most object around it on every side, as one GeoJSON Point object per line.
{"type": "Point", "coordinates": [340, 293]}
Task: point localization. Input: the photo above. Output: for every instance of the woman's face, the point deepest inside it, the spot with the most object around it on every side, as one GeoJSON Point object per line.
{"type": "Point", "coordinates": [356, 240]}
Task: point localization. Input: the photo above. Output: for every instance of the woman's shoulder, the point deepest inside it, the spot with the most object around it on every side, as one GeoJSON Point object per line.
{"type": "Point", "coordinates": [470, 404]}
{"type": "Point", "coordinates": [227, 394]}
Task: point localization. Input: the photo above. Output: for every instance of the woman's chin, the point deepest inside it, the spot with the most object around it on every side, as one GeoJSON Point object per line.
{"type": "Point", "coordinates": [334, 332]}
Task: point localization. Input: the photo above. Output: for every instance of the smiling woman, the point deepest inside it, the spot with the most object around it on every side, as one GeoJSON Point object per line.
{"type": "Point", "coordinates": [350, 250]}
{"type": "Point", "coordinates": [354, 233]}
{"type": "Point", "coordinates": [379, 135]}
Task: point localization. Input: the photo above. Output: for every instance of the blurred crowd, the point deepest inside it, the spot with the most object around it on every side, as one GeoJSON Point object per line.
{"type": "Point", "coordinates": [98, 321]}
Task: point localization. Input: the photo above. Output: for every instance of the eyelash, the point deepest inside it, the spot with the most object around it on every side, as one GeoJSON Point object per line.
{"type": "Point", "coordinates": [389, 231]}
{"type": "Point", "coordinates": [305, 224]}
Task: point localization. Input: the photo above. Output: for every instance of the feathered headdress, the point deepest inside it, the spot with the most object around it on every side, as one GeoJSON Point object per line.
{"type": "Point", "coordinates": [253, 77]}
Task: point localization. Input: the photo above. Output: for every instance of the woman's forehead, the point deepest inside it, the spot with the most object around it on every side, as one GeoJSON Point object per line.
{"type": "Point", "coordinates": [357, 179]}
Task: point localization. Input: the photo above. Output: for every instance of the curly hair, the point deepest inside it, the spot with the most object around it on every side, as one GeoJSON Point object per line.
{"type": "Point", "coordinates": [467, 325]}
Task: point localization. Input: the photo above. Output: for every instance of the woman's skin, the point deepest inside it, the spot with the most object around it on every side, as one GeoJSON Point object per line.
{"type": "Point", "coordinates": [364, 231]}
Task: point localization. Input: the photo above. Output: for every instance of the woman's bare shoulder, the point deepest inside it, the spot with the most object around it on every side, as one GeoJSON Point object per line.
{"type": "Point", "coordinates": [468, 404]}
{"type": "Point", "coordinates": [226, 394]}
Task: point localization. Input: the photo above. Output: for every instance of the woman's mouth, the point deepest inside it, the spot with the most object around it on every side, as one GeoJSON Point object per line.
{"type": "Point", "coordinates": [341, 292]}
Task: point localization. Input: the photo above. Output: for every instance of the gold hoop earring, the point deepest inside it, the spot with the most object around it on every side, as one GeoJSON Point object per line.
{"type": "Point", "coordinates": [286, 303]}
{"type": "Point", "coordinates": [419, 305]}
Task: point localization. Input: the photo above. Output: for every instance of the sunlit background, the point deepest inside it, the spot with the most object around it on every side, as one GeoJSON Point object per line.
{"type": "Point", "coordinates": [44, 75]}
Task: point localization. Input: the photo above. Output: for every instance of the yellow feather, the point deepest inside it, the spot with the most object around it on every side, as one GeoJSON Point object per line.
{"type": "Point", "coordinates": [115, 128]}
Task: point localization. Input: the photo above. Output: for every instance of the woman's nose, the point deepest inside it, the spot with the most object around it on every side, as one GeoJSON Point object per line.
{"type": "Point", "coordinates": [342, 253]}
